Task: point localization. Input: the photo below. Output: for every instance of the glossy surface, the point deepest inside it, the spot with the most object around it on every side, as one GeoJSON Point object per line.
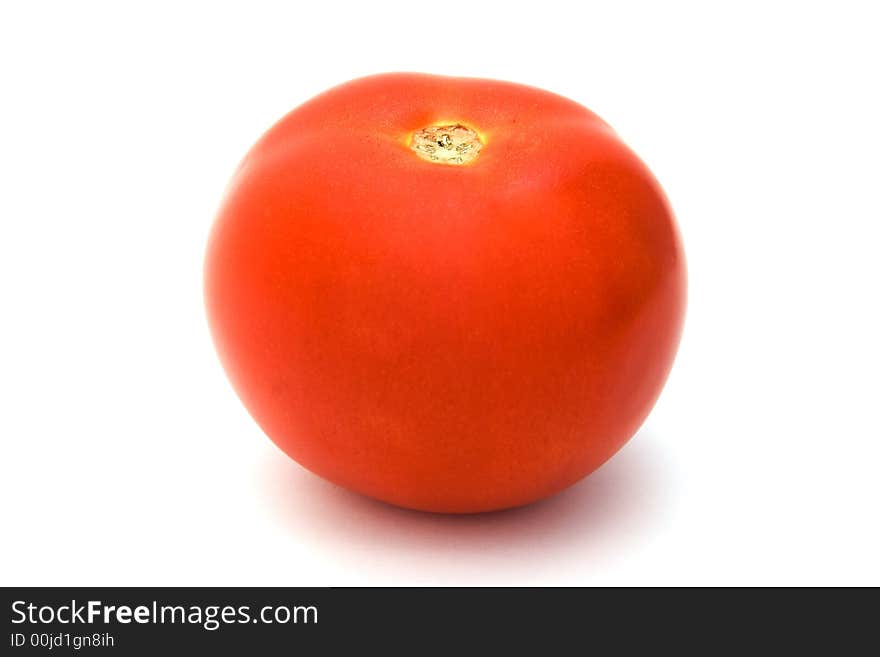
{"type": "Point", "coordinates": [451, 338]}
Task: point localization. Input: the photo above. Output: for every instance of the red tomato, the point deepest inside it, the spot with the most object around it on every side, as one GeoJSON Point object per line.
{"type": "Point", "coordinates": [449, 294]}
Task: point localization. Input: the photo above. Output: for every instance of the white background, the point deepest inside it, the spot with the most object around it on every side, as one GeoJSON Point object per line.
{"type": "Point", "coordinates": [126, 457]}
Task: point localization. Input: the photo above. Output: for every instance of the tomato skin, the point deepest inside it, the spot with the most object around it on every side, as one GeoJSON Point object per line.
{"type": "Point", "coordinates": [445, 338]}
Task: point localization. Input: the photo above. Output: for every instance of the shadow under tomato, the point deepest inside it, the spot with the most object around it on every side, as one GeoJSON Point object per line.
{"type": "Point", "coordinates": [570, 535]}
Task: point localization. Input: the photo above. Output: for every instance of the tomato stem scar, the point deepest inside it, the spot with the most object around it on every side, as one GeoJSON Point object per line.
{"type": "Point", "coordinates": [447, 144]}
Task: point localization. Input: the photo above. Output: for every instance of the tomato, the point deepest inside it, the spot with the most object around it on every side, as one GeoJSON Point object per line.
{"type": "Point", "coordinates": [450, 294]}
